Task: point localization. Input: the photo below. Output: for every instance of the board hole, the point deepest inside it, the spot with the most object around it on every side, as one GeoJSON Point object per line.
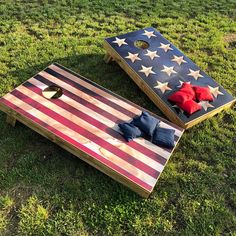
{"type": "Point", "coordinates": [141, 44]}
{"type": "Point", "coordinates": [52, 92]}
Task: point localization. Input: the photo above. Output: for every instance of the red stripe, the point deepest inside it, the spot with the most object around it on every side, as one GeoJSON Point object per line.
{"type": "Point", "coordinates": [101, 142]}
{"type": "Point", "coordinates": [90, 92]}
{"type": "Point", "coordinates": [116, 95]}
{"type": "Point", "coordinates": [78, 145]}
{"type": "Point", "coordinates": [99, 125]}
{"type": "Point", "coordinates": [95, 108]}
{"type": "Point", "coordinates": [80, 100]}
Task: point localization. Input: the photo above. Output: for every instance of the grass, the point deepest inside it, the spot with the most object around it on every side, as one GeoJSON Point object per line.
{"type": "Point", "coordinates": [45, 190]}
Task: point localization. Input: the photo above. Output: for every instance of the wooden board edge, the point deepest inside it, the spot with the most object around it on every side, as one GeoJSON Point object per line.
{"type": "Point", "coordinates": [11, 120]}
{"type": "Point", "coordinates": [75, 151]}
{"type": "Point", "coordinates": [210, 114]}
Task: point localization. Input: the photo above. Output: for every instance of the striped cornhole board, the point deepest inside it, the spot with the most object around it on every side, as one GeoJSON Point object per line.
{"type": "Point", "coordinates": [84, 121]}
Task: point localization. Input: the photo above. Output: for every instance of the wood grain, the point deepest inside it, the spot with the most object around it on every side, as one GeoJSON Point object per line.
{"type": "Point", "coordinates": [84, 121]}
{"type": "Point", "coordinates": [75, 151]}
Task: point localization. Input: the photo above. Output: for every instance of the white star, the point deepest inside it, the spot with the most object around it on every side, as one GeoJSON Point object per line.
{"type": "Point", "coordinates": [205, 105]}
{"type": "Point", "coordinates": [120, 42]}
{"type": "Point", "coordinates": [195, 74]}
{"type": "Point", "coordinates": [165, 47]}
{"type": "Point", "coordinates": [179, 60]}
{"type": "Point", "coordinates": [151, 54]}
{"type": "Point", "coordinates": [181, 83]}
{"type": "Point", "coordinates": [133, 57]}
{"type": "Point", "coordinates": [215, 91]}
{"type": "Point", "coordinates": [149, 34]}
{"type": "Point", "coordinates": [162, 86]}
{"type": "Point", "coordinates": [169, 70]}
{"type": "Point", "coordinates": [147, 70]}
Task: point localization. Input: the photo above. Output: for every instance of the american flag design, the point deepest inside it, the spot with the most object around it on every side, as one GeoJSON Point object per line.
{"type": "Point", "coordinates": [87, 116]}
{"type": "Point", "coordinates": [164, 68]}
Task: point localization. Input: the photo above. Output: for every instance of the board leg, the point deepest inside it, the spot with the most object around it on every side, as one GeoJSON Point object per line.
{"type": "Point", "coordinates": [11, 120]}
{"type": "Point", "coordinates": [107, 58]}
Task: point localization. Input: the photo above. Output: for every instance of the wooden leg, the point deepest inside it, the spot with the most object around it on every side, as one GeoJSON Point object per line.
{"type": "Point", "coordinates": [107, 58]}
{"type": "Point", "coordinates": [11, 120]}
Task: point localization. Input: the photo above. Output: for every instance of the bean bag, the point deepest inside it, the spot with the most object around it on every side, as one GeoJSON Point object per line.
{"type": "Point", "coordinates": [130, 131]}
{"type": "Point", "coordinates": [190, 107]}
{"type": "Point", "coordinates": [184, 94]}
{"type": "Point", "coordinates": [146, 123]}
{"type": "Point", "coordinates": [180, 97]}
{"type": "Point", "coordinates": [203, 93]}
{"type": "Point", "coordinates": [187, 88]}
{"type": "Point", "coordinates": [163, 137]}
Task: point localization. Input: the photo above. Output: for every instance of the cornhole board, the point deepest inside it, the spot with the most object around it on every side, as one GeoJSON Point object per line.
{"type": "Point", "coordinates": [83, 120]}
{"type": "Point", "coordinates": [159, 69]}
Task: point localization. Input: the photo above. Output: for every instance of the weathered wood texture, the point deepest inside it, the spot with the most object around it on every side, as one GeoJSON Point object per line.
{"type": "Point", "coordinates": [84, 121]}
{"type": "Point", "coordinates": [11, 120]}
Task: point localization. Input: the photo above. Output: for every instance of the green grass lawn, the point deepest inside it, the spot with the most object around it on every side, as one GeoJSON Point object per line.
{"type": "Point", "coordinates": [45, 190]}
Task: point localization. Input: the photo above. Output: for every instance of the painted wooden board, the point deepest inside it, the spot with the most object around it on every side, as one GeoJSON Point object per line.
{"type": "Point", "coordinates": [83, 120]}
{"type": "Point", "coordinates": [160, 69]}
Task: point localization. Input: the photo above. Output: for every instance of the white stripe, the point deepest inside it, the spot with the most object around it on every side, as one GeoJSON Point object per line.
{"type": "Point", "coordinates": [91, 128]}
{"type": "Point", "coordinates": [141, 141]}
{"type": "Point", "coordinates": [147, 144]}
{"type": "Point", "coordinates": [83, 95]}
{"type": "Point", "coordinates": [108, 96]}
{"type": "Point", "coordinates": [82, 140]}
{"type": "Point", "coordinates": [95, 89]}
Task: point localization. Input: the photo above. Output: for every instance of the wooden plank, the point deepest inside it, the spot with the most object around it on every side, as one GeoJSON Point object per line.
{"type": "Point", "coordinates": [209, 115]}
{"type": "Point", "coordinates": [109, 123]}
{"type": "Point", "coordinates": [78, 153]}
{"type": "Point", "coordinates": [107, 58]}
{"type": "Point", "coordinates": [83, 120]}
{"type": "Point", "coordinates": [11, 120]}
{"type": "Point", "coordinates": [114, 96]}
{"type": "Point", "coordinates": [121, 50]}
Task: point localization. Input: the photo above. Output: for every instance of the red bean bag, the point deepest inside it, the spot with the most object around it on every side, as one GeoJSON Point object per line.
{"type": "Point", "coordinates": [184, 94]}
{"type": "Point", "coordinates": [187, 88]}
{"type": "Point", "coordinates": [203, 93]}
{"type": "Point", "coordinates": [180, 97]}
{"type": "Point", "coordinates": [190, 106]}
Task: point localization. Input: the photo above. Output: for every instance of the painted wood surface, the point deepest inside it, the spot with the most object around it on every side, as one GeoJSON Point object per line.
{"type": "Point", "coordinates": [84, 121]}
{"type": "Point", "coordinates": [159, 71]}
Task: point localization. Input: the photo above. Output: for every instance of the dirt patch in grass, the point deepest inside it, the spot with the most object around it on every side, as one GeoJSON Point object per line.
{"type": "Point", "coordinates": [231, 40]}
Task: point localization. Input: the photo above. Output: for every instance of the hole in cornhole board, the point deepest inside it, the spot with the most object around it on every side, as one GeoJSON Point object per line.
{"type": "Point", "coordinates": [52, 92]}
{"type": "Point", "coordinates": [141, 44]}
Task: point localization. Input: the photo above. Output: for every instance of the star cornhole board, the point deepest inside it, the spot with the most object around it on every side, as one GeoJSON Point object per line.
{"type": "Point", "coordinates": [159, 69]}
{"type": "Point", "coordinates": [82, 117]}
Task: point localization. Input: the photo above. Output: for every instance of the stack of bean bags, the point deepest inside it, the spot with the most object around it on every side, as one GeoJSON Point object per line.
{"type": "Point", "coordinates": [148, 126]}
{"type": "Point", "coordinates": [188, 96]}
